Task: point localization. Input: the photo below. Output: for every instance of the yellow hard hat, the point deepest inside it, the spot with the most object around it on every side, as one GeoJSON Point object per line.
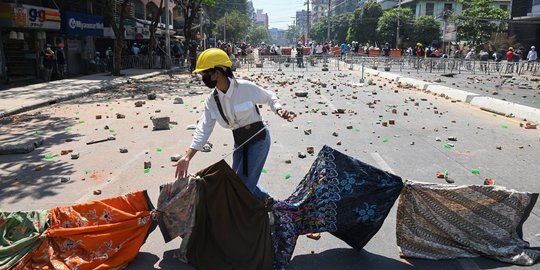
{"type": "Point", "coordinates": [212, 58]}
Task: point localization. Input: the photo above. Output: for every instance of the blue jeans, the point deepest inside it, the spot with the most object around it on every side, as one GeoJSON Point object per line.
{"type": "Point", "coordinates": [257, 153]}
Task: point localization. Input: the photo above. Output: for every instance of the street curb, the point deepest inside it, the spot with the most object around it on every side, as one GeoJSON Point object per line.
{"type": "Point", "coordinates": [93, 89]}
{"type": "Point", "coordinates": [484, 103]}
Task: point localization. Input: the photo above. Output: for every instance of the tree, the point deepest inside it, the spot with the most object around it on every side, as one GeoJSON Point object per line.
{"type": "Point", "coordinates": [363, 24]}
{"type": "Point", "coordinates": [479, 20]}
{"type": "Point", "coordinates": [339, 25]}
{"type": "Point", "coordinates": [387, 25]}
{"type": "Point", "coordinates": [293, 34]}
{"type": "Point", "coordinates": [153, 26]}
{"type": "Point", "coordinates": [223, 7]}
{"type": "Point", "coordinates": [190, 9]}
{"type": "Point", "coordinates": [257, 34]}
{"type": "Point", "coordinates": [235, 23]}
{"type": "Point", "coordinates": [115, 16]}
{"type": "Point", "coordinates": [425, 30]}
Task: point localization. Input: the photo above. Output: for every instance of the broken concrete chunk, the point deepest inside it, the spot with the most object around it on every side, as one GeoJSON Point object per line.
{"type": "Point", "coordinates": [123, 150]}
{"type": "Point", "coordinates": [160, 123]}
{"type": "Point", "coordinates": [178, 101]}
{"type": "Point", "coordinates": [139, 103]}
{"type": "Point", "coordinates": [310, 149]}
{"type": "Point", "coordinates": [176, 157]}
{"type": "Point", "coordinates": [152, 96]}
{"type": "Point", "coordinates": [64, 179]}
{"type": "Point", "coordinates": [98, 116]}
{"type": "Point", "coordinates": [75, 155]}
{"type": "Point", "coordinates": [301, 93]}
{"type": "Point", "coordinates": [391, 121]}
{"type": "Point", "coordinates": [452, 138]}
{"type": "Point", "coordinates": [307, 131]}
{"type": "Point", "coordinates": [301, 154]}
{"type": "Point", "coordinates": [120, 116]}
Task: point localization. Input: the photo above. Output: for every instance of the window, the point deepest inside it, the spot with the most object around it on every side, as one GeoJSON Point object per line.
{"type": "Point", "coordinates": [504, 7]}
{"type": "Point", "coordinates": [413, 9]}
{"type": "Point", "coordinates": [429, 9]}
{"type": "Point", "coordinates": [447, 6]}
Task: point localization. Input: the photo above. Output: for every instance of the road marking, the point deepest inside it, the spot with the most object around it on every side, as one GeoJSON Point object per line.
{"type": "Point", "coordinates": [468, 264]}
{"type": "Point", "coordinates": [382, 164]}
{"type": "Point", "coordinates": [330, 105]}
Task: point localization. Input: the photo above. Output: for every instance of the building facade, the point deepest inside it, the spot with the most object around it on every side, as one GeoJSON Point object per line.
{"type": "Point", "coordinates": [262, 18]}
{"type": "Point", "coordinates": [525, 22]}
{"type": "Point", "coordinates": [75, 27]}
{"type": "Point", "coordinates": [319, 10]}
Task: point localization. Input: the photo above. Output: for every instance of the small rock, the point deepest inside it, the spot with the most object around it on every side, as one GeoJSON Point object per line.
{"type": "Point", "coordinates": [310, 149]}
{"type": "Point", "coordinates": [64, 179]}
{"type": "Point", "coordinates": [307, 131]}
{"type": "Point", "coordinates": [349, 127]}
{"type": "Point", "coordinates": [498, 147]}
{"type": "Point", "coordinates": [191, 127]}
{"type": "Point", "coordinates": [452, 138]}
{"type": "Point", "coordinates": [75, 155]}
{"type": "Point", "coordinates": [98, 116]}
{"type": "Point", "coordinates": [437, 139]}
{"type": "Point", "coordinates": [288, 161]}
{"type": "Point", "coordinates": [152, 96]}
{"type": "Point", "coordinates": [178, 101]}
{"type": "Point", "coordinates": [391, 121]}
{"type": "Point", "coordinates": [139, 103]}
{"type": "Point", "coordinates": [335, 134]}
{"type": "Point", "coordinates": [120, 116]}
{"type": "Point", "coordinates": [301, 155]}
{"type": "Point", "coordinates": [65, 152]}
{"type": "Point", "coordinates": [97, 192]}
{"type": "Point", "coordinates": [123, 150]}
{"type": "Point", "coordinates": [412, 143]}
{"type": "Point", "coordinates": [338, 143]}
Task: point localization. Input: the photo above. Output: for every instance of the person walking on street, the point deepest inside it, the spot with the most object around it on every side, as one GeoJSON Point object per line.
{"type": "Point", "coordinates": [531, 58]}
{"type": "Point", "coordinates": [233, 104]}
{"type": "Point", "coordinates": [344, 48]}
{"type": "Point", "coordinates": [61, 62]}
{"type": "Point", "coordinates": [48, 62]}
{"type": "Point", "coordinates": [299, 55]}
{"type": "Point", "coordinates": [192, 55]}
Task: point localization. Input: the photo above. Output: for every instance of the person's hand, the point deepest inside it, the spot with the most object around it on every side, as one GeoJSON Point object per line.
{"type": "Point", "coordinates": [289, 116]}
{"type": "Point", "coordinates": [181, 168]}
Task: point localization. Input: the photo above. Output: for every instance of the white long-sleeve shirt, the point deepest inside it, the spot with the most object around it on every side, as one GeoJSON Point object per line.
{"type": "Point", "coordinates": [238, 106]}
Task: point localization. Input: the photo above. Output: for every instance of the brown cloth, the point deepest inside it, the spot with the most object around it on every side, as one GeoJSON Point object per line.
{"type": "Point", "coordinates": [232, 230]}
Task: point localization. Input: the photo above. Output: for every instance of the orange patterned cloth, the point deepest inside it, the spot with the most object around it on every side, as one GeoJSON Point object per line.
{"type": "Point", "coordinates": [105, 234]}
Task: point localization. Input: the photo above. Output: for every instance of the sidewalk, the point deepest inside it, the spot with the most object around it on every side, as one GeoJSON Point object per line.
{"type": "Point", "coordinates": [530, 112]}
{"type": "Point", "coordinates": [20, 99]}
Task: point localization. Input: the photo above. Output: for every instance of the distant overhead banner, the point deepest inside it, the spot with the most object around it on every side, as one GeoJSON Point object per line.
{"type": "Point", "coordinates": [79, 24]}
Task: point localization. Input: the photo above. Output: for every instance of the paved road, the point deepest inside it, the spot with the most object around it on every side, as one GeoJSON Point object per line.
{"type": "Point", "coordinates": [101, 166]}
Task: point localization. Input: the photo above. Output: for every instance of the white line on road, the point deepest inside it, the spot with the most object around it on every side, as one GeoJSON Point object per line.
{"type": "Point", "coordinates": [382, 164]}
{"type": "Point", "coordinates": [330, 105]}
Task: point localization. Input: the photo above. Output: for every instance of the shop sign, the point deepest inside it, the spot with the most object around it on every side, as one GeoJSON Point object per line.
{"type": "Point", "coordinates": [78, 24]}
{"type": "Point", "coordinates": [27, 16]}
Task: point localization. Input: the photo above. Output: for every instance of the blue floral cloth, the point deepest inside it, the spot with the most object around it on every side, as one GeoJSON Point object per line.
{"type": "Point", "coordinates": [340, 195]}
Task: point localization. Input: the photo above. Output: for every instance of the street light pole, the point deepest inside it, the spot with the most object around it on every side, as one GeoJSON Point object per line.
{"type": "Point", "coordinates": [167, 35]}
{"type": "Point", "coordinates": [397, 32]}
{"type": "Point", "coordinates": [328, 18]}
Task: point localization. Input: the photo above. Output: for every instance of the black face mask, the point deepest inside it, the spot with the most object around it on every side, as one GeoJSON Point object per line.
{"type": "Point", "coordinates": [207, 80]}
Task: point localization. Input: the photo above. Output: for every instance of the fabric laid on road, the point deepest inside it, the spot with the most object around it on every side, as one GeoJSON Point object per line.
{"type": "Point", "coordinates": [340, 195]}
{"type": "Point", "coordinates": [438, 221]}
{"type": "Point", "coordinates": [232, 229]}
{"type": "Point", "coordinates": [104, 234]}
{"type": "Point", "coordinates": [21, 232]}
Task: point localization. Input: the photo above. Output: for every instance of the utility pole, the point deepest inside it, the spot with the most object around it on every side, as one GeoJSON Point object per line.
{"type": "Point", "coordinates": [397, 32]}
{"type": "Point", "coordinates": [307, 32]}
{"type": "Point", "coordinates": [201, 26]}
{"type": "Point", "coordinates": [328, 18]}
{"type": "Point", "coordinates": [167, 35]}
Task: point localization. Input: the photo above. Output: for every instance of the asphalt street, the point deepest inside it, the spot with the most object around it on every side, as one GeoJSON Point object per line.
{"type": "Point", "coordinates": [415, 147]}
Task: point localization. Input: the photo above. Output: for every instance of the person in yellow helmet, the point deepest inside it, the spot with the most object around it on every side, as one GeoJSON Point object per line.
{"type": "Point", "coordinates": [234, 105]}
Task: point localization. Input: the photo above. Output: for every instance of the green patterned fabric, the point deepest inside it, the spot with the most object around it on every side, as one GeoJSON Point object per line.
{"type": "Point", "coordinates": [20, 232]}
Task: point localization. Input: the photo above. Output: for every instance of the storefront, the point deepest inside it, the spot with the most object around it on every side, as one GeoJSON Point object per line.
{"type": "Point", "coordinates": [80, 30]}
{"type": "Point", "coordinates": [25, 32]}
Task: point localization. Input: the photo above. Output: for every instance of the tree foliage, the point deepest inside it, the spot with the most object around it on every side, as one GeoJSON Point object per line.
{"type": "Point", "coordinates": [479, 20]}
{"type": "Point", "coordinates": [223, 7]}
{"type": "Point", "coordinates": [363, 24]}
{"type": "Point", "coordinates": [190, 10]}
{"type": "Point", "coordinates": [425, 30]}
{"type": "Point", "coordinates": [257, 34]}
{"type": "Point", "coordinates": [339, 25]}
{"type": "Point", "coordinates": [387, 25]}
{"type": "Point", "coordinates": [115, 15]}
{"type": "Point", "coordinates": [293, 34]}
{"type": "Point", "coordinates": [236, 25]}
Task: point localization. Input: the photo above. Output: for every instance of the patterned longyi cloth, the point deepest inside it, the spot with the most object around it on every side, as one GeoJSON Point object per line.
{"type": "Point", "coordinates": [437, 221]}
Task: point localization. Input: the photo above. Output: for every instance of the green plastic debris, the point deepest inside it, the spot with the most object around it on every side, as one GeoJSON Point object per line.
{"type": "Point", "coordinates": [37, 132]}
{"type": "Point", "coordinates": [385, 139]}
{"type": "Point", "coordinates": [111, 130]}
{"type": "Point", "coordinates": [82, 122]}
{"type": "Point", "coordinates": [287, 176]}
{"type": "Point", "coordinates": [191, 111]}
{"type": "Point", "coordinates": [76, 112]}
{"type": "Point", "coordinates": [447, 146]}
{"type": "Point", "coordinates": [381, 117]}
{"type": "Point", "coordinates": [475, 171]}
{"type": "Point", "coordinates": [445, 173]}
{"type": "Point", "coordinates": [86, 171]}
{"type": "Point", "coordinates": [357, 129]}
{"type": "Point", "coordinates": [504, 126]}
{"type": "Point", "coordinates": [69, 129]}
{"type": "Point", "coordinates": [147, 170]}
{"type": "Point", "coordinates": [159, 149]}
{"type": "Point", "coordinates": [264, 170]}
{"type": "Point", "coordinates": [171, 126]}
{"type": "Point", "coordinates": [49, 156]}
